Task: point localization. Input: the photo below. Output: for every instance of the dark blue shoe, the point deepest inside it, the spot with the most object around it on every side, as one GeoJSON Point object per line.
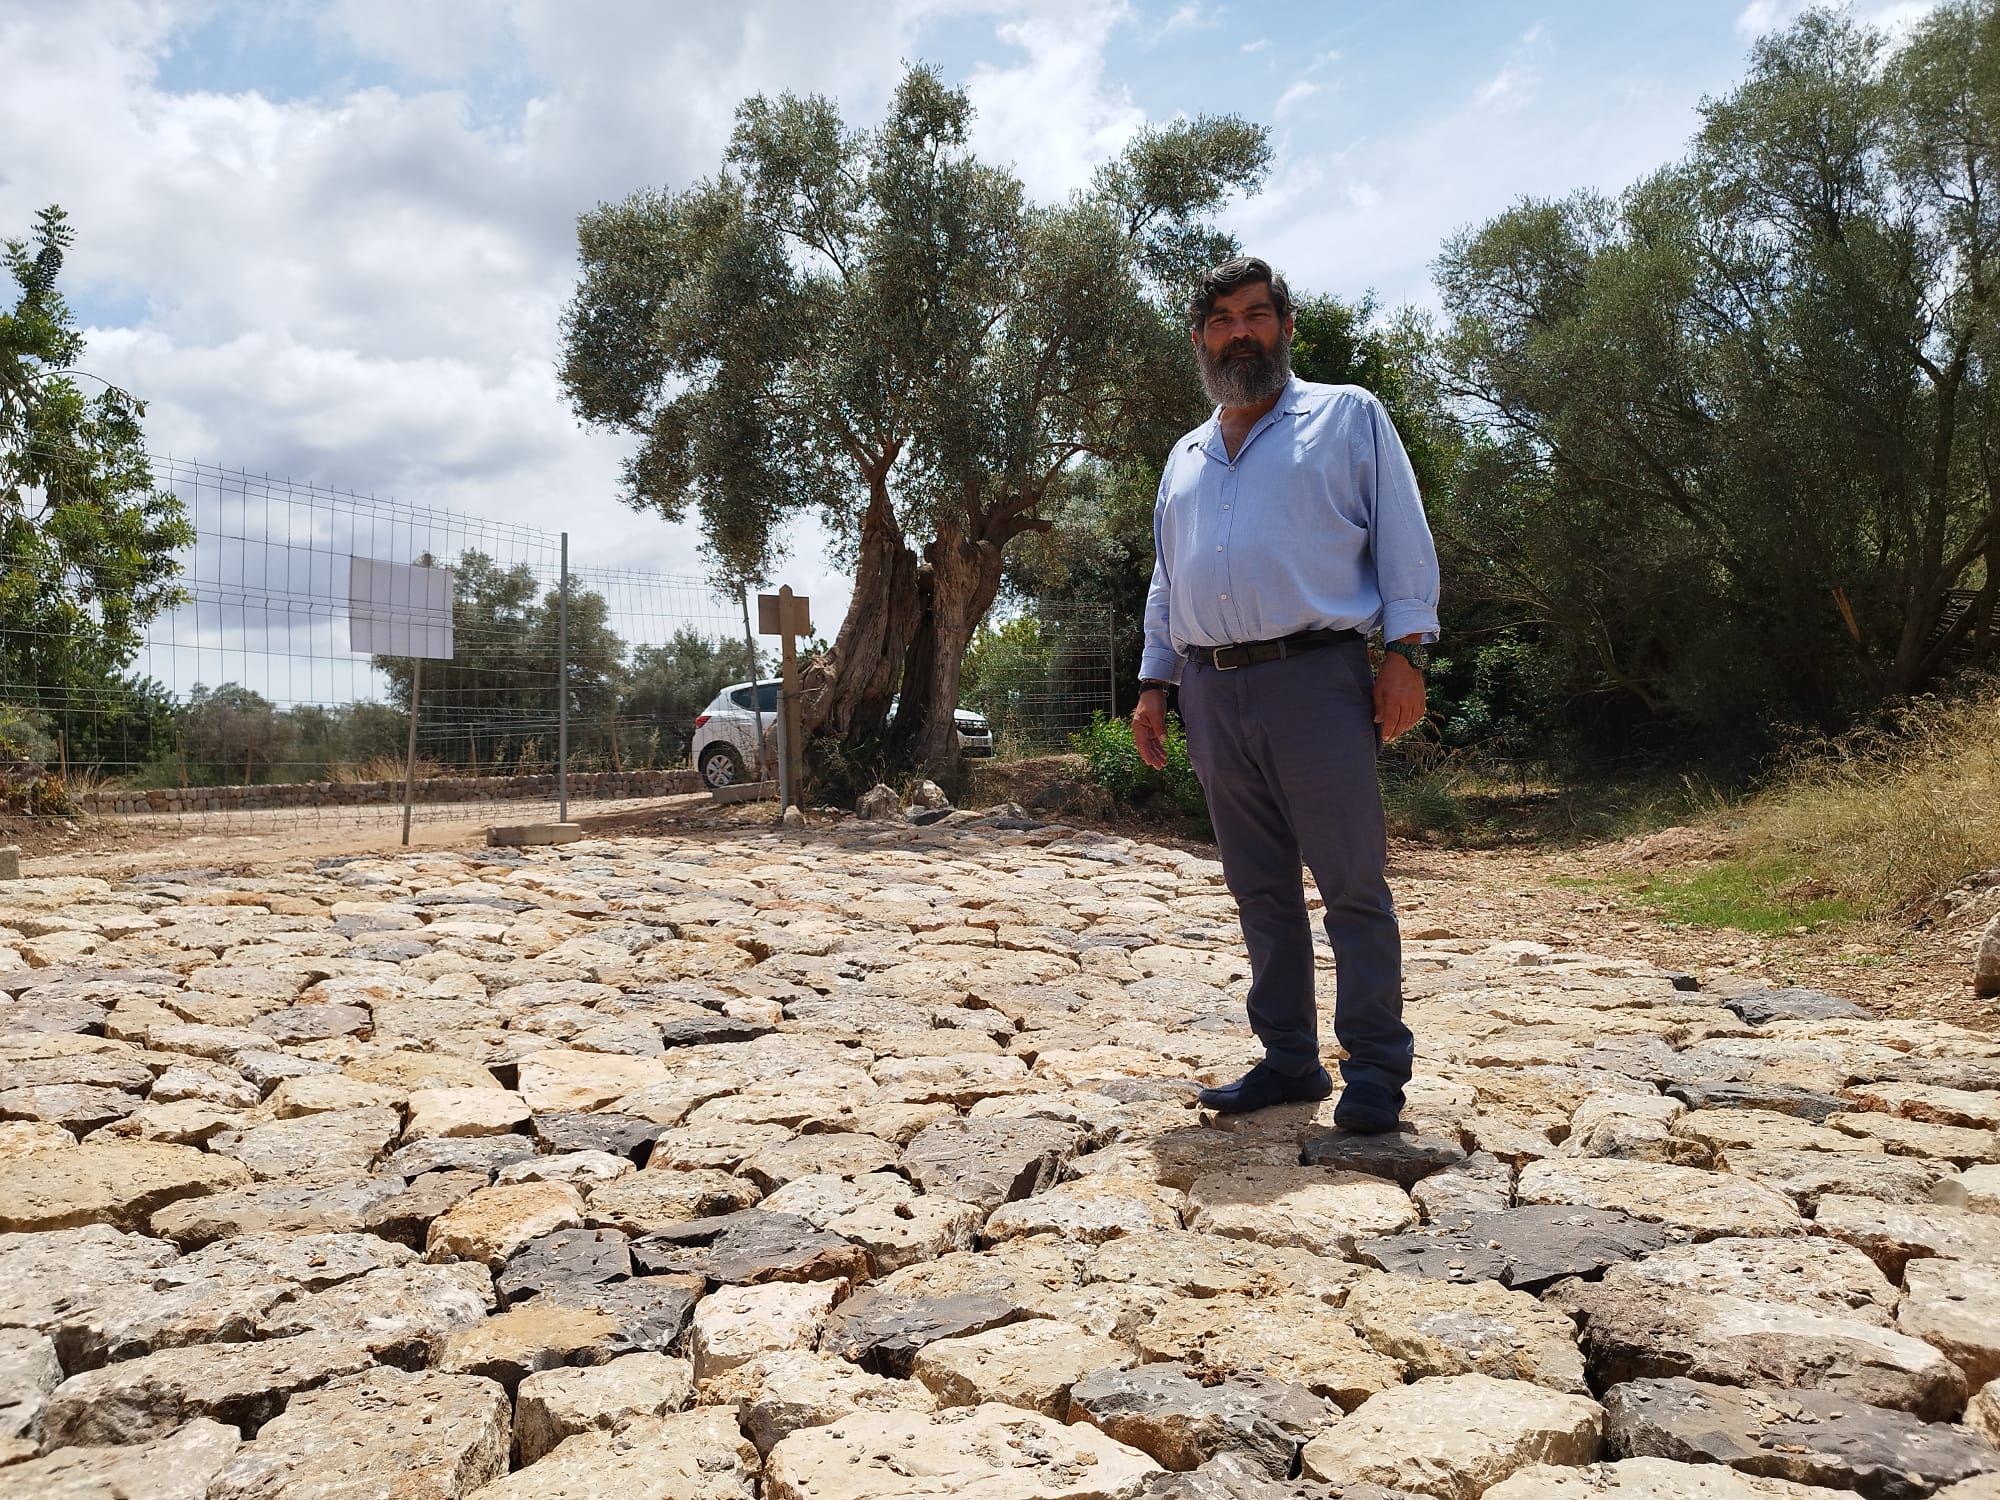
{"type": "Point", "coordinates": [1264, 1086]}
{"type": "Point", "coordinates": [1359, 1116]}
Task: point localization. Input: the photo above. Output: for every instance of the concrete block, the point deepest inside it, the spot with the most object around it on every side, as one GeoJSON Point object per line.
{"type": "Point", "coordinates": [534, 833]}
{"type": "Point", "coordinates": [743, 791]}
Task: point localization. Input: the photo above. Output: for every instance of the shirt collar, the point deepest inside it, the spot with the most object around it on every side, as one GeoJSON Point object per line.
{"type": "Point", "coordinates": [1292, 401]}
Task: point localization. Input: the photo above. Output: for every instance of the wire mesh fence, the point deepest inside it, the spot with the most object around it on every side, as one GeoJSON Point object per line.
{"type": "Point", "coordinates": [247, 704]}
{"type": "Point", "coordinates": [247, 698]}
{"type": "Point", "coordinates": [1040, 675]}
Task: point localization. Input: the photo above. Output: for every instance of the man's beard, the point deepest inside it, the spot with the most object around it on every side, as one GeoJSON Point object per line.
{"type": "Point", "coordinates": [1236, 378]}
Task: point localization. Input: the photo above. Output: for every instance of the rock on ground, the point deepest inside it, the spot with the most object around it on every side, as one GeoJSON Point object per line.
{"type": "Point", "coordinates": [1455, 1436]}
{"type": "Point", "coordinates": [990, 1451]}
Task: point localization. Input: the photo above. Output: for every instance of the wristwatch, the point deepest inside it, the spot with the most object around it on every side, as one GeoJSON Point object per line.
{"type": "Point", "coordinates": [1416, 655]}
{"type": "Point", "coordinates": [1147, 683]}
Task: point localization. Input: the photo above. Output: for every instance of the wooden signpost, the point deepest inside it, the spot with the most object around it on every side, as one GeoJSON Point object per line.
{"type": "Point", "coordinates": [787, 616]}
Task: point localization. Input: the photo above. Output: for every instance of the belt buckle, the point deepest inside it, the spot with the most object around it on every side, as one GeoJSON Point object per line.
{"type": "Point", "coordinates": [1221, 665]}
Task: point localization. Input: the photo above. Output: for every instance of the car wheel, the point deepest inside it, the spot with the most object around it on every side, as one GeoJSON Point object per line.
{"type": "Point", "coordinates": [720, 766]}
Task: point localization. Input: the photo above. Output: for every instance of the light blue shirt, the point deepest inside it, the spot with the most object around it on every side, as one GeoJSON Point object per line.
{"type": "Point", "coordinates": [1316, 524]}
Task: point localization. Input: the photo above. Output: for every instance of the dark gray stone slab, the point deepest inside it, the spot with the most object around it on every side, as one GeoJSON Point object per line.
{"type": "Point", "coordinates": [472, 1153]}
{"type": "Point", "coordinates": [78, 1107]}
{"type": "Point", "coordinates": [567, 1258]}
{"type": "Point", "coordinates": [313, 1023]}
{"type": "Point", "coordinates": [392, 951]}
{"type": "Point", "coordinates": [435, 899]}
{"type": "Point", "coordinates": [1230, 1477]}
{"type": "Point", "coordinates": [1527, 1248]}
{"type": "Point", "coordinates": [1147, 1090]}
{"type": "Point", "coordinates": [126, 1073]}
{"type": "Point", "coordinates": [882, 1331]}
{"type": "Point", "coordinates": [35, 1014]}
{"type": "Point", "coordinates": [359, 924]}
{"type": "Point", "coordinates": [701, 1031]}
{"type": "Point", "coordinates": [1761, 1007]}
{"type": "Point", "coordinates": [990, 1162]}
{"type": "Point", "coordinates": [88, 981]}
{"type": "Point", "coordinates": [1808, 1437]}
{"type": "Point", "coordinates": [749, 1247]}
{"type": "Point", "coordinates": [1403, 1156]}
{"type": "Point", "coordinates": [406, 1217]}
{"type": "Point", "coordinates": [1182, 1419]}
{"type": "Point", "coordinates": [264, 1071]}
{"type": "Point", "coordinates": [273, 1208]}
{"type": "Point", "coordinates": [651, 1311]}
{"type": "Point", "coordinates": [1979, 1075]}
{"type": "Point", "coordinates": [621, 1135]}
{"type": "Point", "coordinates": [1779, 1098]}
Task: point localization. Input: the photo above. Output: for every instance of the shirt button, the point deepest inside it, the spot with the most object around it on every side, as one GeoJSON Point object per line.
{"type": "Point", "coordinates": [1218, 549]}
{"type": "Point", "coordinates": [1225, 507]}
{"type": "Point", "coordinates": [1225, 596]}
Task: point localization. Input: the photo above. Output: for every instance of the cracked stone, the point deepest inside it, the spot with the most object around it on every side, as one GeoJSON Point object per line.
{"type": "Point", "coordinates": [1807, 1437]}
{"type": "Point", "coordinates": [1181, 1418]}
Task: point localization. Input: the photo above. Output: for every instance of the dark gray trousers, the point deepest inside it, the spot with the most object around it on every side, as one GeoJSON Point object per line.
{"type": "Point", "coordinates": [1286, 754]}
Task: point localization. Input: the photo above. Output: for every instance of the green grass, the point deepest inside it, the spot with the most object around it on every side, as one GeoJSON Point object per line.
{"type": "Point", "coordinates": [1762, 896]}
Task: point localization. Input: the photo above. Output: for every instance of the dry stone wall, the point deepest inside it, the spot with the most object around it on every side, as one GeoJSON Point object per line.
{"type": "Point", "coordinates": [867, 1163]}
{"type": "Point", "coordinates": [583, 786]}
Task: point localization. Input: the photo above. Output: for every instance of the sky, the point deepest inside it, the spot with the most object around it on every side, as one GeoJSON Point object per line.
{"type": "Point", "coordinates": [331, 240]}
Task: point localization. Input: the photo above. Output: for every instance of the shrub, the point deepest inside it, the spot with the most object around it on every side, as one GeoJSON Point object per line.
{"type": "Point", "coordinates": [1115, 765]}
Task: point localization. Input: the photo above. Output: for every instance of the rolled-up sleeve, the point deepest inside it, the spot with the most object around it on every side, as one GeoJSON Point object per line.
{"type": "Point", "coordinates": [1159, 659]}
{"type": "Point", "coordinates": [1406, 563]}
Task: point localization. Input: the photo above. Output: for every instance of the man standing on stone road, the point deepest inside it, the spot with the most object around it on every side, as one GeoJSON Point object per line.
{"type": "Point", "coordinates": [1288, 528]}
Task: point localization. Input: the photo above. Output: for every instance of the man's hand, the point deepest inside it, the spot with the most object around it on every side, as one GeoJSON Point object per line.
{"type": "Point", "coordinates": [1399, 698]}
{"type": "Point", "coordinates": [1149, 726]}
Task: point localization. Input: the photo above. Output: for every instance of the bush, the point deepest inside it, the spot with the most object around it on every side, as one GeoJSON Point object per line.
{"type": "Point", "coordinates": [1115, 765]}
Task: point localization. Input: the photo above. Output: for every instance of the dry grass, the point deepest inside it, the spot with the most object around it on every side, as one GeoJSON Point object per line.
{"type": "Point", "coordinates": [1886, 821]}
{"type": "Point", "coordinates": [382, 768]}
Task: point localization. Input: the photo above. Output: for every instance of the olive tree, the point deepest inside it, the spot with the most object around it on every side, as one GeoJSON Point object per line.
{"type": "Point", "coordinates": [1739, 423]}
{"type": "Point", "coordinates": [876, 325]}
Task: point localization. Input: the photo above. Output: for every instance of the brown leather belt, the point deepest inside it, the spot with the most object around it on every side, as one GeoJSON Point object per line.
{"type": "Point", "coordinates": [1249, 653]}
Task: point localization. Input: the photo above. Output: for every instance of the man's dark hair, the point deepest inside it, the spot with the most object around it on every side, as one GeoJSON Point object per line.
{"type": "Point", "coordinates": [1232, 275]}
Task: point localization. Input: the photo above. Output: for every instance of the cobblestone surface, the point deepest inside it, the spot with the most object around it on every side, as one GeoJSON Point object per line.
{"type": "Point", "coordinates": [866, 1161]}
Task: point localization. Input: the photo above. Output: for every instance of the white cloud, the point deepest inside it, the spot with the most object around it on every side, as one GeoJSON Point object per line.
{"type": "Point", "coordinates": [1259, 45]}
{"type": "Point", "coordinates": [359, 287]}
{"type": "Point", "coordinates": [1893, 16]}
{"type": "Point", "coordinates": [1185, 17]}
{"type": "Point", "coordinates": [1294, 96]}
{"type": "Point", "coordinates": [1515, 84]}
{"type": "Point", "coordinates": [1054, 116]}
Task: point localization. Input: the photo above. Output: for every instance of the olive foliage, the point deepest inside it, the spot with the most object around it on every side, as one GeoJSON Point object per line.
{"type": "Point", "coordinates": [1737, 426]}
{"type": "Point", "coordinates": [875, 325]}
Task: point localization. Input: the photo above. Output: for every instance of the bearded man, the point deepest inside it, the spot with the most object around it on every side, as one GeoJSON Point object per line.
{"type": "Point", "coordinates": [1287, 529]}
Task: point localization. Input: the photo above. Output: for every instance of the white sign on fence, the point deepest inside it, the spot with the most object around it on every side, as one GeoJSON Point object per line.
{"type": "Point", "coordinates": [398, 609]}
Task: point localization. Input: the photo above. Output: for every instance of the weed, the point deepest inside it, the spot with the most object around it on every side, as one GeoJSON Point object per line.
{"type": "Point", "coordinates": [1888, 820]}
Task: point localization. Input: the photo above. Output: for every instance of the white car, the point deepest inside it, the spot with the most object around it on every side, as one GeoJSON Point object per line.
{"type": "Point", "coordinates": [725, 733]}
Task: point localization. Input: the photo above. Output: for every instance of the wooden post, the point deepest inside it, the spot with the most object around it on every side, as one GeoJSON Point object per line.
{"type": "Point", "coordinates": [788, 704]}
{"type": "Point", "coordinates": [787, 616]}
{"type": "Point", "coordinates": [410, 771]}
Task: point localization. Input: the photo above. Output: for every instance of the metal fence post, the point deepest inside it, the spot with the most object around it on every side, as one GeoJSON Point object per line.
{"type": "Point", "coordinates": [562, 688]}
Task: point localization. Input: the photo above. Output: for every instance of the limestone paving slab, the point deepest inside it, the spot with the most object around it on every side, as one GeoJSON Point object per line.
{"type": "Point", "coordinates": [935, 1086]}
{"type": "Point", "coordinates": [992, 1451]}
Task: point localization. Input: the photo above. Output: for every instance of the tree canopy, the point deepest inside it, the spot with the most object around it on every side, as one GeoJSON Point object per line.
{"type": "Point", "coordinates": [1738, 425]}
{"type": "Point", "coordinates": [877, 325]}
{"type": "Point", "coordinates": [86, 542]}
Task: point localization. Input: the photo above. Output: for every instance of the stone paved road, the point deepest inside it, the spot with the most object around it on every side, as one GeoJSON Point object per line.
{"type": "Point", "coordinates": [865, 1163]}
